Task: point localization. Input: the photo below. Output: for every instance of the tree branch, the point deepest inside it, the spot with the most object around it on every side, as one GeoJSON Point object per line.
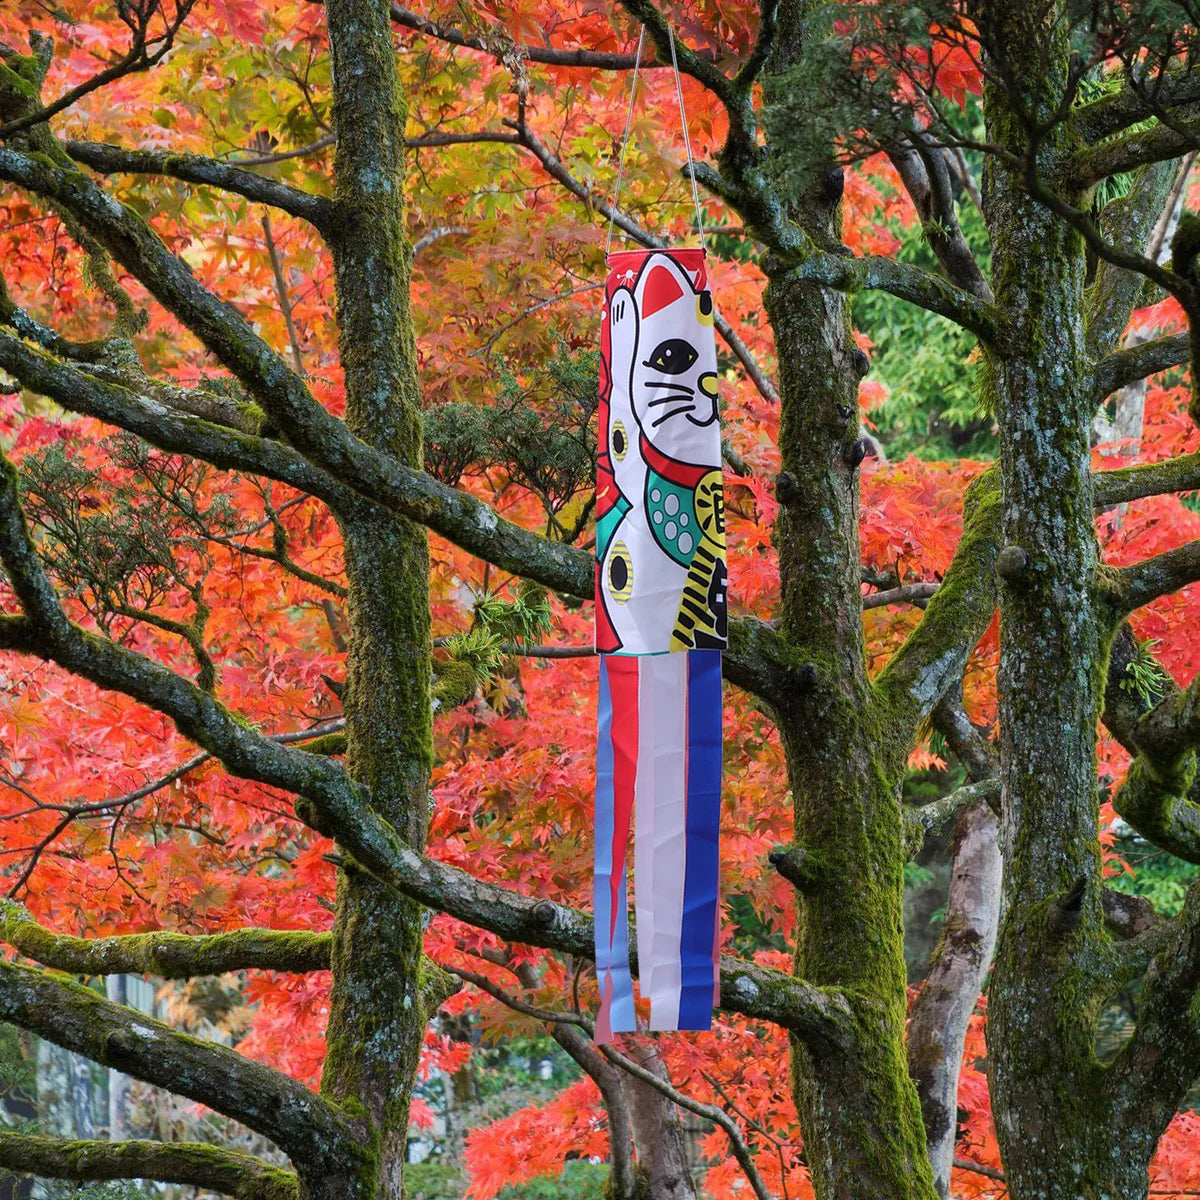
{"type": "Point", "coordinates": [503, 50]}
{"type": "Point", "coordinates": [166, 955]}
{"type": "Point", "coordinates": [1159, 795]}
{"type": "Point", "coordinates": [1107, 116]}
{"type": "Point", "coordinates": [132, 243]}
{"type": "Point", "coordinates": [1123, 367]}
{"type": "Point", "coordinates": [708, 1112]}
{"type": "Point", "coordinates": [756, 652]}
{"type": "Point", "coordinates": [844, 273]}
{"type": "Point", "coordinates": [925, 819]}
{"type": "Point", "coordinates": [1155, 1068]}
{"type": "Point", "coordinates": [312, 1133]}
{"type": "Point", "coordinates": [908, 593]}
{"type": "Point", "coordinates": [933, 656]}
{"type": "Point", "coordinates": [941, 1013]}
{"type": "Point", "coordinates": [1139, 148]}
{"type": "Point", "coordinates": [924, 170]}
{"type": "Point", "coordinates": [690, 63]}
{"type": "Point", "coordinates": [228, 1172]}
{"type": "Point", "coordinates": [330, 801]}
{"type": "Point", "coordinates": [375, 476]}
{"type": "Point", "coordinates": [1134, 586]}
{"type": "Point", "coordinates": [1127, 484]}
{"type": "Point", "coordinates": [1135, 219]}
{"type": "Point", "coordinates": [139, 57]}
{"type": "Point", "coordinates": [558, 171]}
{"type": "Point", "coordinates": [196, 168]}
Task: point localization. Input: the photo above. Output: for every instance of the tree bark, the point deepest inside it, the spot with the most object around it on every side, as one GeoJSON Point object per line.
{"type": "Point", "coordinates": [938, 1026]}
{"type": "Point", "coordinates": [662, 1162]}
{"type": "Point", "coordinates": [378, 1007]}
{"type": "Point", "coordinates": [1056, 1136]}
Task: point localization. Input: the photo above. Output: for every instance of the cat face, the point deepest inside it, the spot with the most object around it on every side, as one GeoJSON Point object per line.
{"type": "Point", "coordinates": [673, 372]}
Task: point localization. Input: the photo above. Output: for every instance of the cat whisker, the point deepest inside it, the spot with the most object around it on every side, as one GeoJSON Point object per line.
{"type": "Point", "coordinates": [686, 408]}
{"type": "Point", "coordinates": [666, 383]}
{"type": "Point", "coordinates": [684, 396]}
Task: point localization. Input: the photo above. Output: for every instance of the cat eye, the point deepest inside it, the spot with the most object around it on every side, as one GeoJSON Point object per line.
{"type": "Point", "coordinates": [672, 357]}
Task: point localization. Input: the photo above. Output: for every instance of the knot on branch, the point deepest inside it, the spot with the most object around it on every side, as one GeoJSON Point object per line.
{"type": "Point", "coordinates": [805, 677]}
{"type": "Point", "coordinates": [1067, 911]}
{"type": "Point", "coordinates": [543, 914]}
{"type": "Point", "coordinates": [787, 489]}
{"type": "Point", "coordinates": [854, 453]}
{"type": "Point", "coordinates": [803, 869]}
{"type": "Point", "coordinates": [1011, 563]}
{"type": "Point", "coordinates": [119, 1046]}
{"type": "Point", "coordinates": [861, 362]}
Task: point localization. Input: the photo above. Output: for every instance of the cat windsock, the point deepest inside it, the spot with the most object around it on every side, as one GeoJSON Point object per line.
{"type": "Point", "coordinates": [660, 626]}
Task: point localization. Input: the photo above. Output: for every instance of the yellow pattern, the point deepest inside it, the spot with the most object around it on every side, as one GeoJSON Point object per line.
{"type": "Point", "coordinates": [695, 617]}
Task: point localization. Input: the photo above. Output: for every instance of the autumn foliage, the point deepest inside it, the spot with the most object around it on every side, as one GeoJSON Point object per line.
{"type": "Point", "coordinates": [114, 824]}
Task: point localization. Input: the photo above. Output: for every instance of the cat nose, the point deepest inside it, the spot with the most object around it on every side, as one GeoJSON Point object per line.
{"type": "Point", "coordinates": [707, 383]}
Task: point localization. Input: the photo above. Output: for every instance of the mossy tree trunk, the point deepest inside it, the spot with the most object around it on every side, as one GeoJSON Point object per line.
{"type": "Point", "coordinates": [844, 778]}
{"type": "Point", "coordinates": [377, 1013]}
{"type": "Point", "coordinates": [1061, 1134]}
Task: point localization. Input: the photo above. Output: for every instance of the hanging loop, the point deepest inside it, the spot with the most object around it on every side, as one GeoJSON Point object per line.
{"type": "Point", "coordinates": [612, 215]}
{"type": "Point", "coordinates": [687, 141]}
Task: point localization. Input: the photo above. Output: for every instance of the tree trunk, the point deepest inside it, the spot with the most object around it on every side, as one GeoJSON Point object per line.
{"type": "Point", "coordinates": [662, 1164]}
{"type": "Point", "coordinates": [1055, 1134]}
{"type": "Point", "coordinates": [938, 1026]}
{"type": "Point", "coordinates": [845, 779]}
{"type": "Point", "coordinates": [378, 1010]}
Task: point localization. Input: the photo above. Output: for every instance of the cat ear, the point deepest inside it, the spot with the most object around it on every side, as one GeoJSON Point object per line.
{"type": "Point", "coordinates": [659, 289]}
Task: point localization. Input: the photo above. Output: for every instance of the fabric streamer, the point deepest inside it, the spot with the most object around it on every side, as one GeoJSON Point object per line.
{"type": "Point", "coordinates": [660, 627]}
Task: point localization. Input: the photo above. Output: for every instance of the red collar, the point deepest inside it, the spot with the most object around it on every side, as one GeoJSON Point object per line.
{"type": "Point", "coordinates": [683, 474]}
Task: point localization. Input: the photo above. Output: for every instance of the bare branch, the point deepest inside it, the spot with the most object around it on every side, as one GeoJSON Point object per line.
{"type": "Point", "coordinates": [504, 51]}
{"type": "Point", "coordinates": [227, 1172]}
{"type": "Point", "coordinates": [909, 593]}
{"type": "Point", "coordinates": [934, 654]}
{"type": "Point", "coordinates": [308, 1129]}
{"type": "Point", "coordinates": [845, 273]}
{"type": "Point", "coordinates": [925, 171]}
{"type": "Point", "coordinates": [1123, 367]}
{"type": "Point", "coordinates": [1134, 586]}
{"type": "Point", "coordinates": [196, 168]}
{"type": "Point", "coordinates": [1150, 479]}
{"type": "Point", "coordinates": [166, 955]}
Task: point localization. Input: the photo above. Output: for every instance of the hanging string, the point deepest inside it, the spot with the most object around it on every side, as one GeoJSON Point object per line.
{"type": "Point", "coordinates": [687, 141]}
{"type": "Point", "coordinates": [612, 214]}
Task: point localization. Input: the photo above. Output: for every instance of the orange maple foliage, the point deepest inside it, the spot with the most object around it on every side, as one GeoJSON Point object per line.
{"type": "Point", "coordinates": [504, 273]}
